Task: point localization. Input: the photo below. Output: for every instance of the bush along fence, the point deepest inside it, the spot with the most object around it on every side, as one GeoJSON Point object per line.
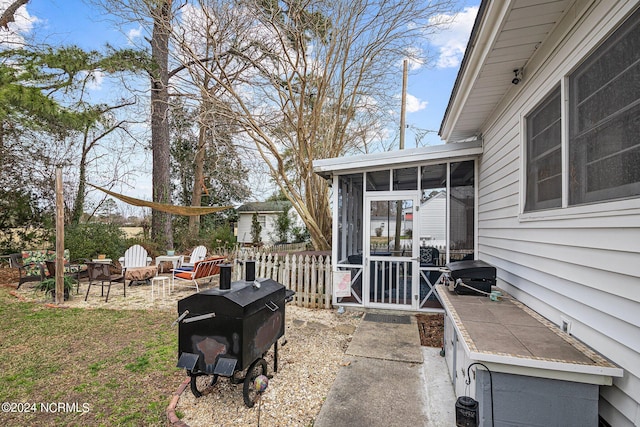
{"type": "Point", "coordinates": [308, 275]}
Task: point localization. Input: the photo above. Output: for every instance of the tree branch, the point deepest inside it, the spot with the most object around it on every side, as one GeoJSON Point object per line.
{"type": "Point", "coordinates": [9, 14]}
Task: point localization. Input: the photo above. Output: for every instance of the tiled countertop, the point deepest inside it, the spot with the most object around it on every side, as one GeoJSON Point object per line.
{"type": "Point", "coordinates": [509, 333]}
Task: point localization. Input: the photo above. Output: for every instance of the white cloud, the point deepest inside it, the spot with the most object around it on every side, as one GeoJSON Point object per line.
{"type": "Point", "coordinates": [414, 104]}
{"type": "Point", "coordinates": [452, 42]}
{"type": "Point", "coordinates": [133, 34]}
{"type": "Point", "coordinates": [24, 22]}
{"type": "Point", "coordinates": [95, 82]}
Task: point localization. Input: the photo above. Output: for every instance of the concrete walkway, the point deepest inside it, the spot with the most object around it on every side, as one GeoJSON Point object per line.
{"type": "Point", "coordinates": [389, 379]}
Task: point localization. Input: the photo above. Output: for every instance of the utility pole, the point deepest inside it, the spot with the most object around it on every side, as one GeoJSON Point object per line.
{"type": "Point", "coordinates": [403, 109]}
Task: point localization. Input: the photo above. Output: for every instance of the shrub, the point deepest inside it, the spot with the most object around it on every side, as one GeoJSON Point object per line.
{"type": "Point", "coordinates": [300, 234]}
{"type": "Point", "coordinates": [256, 230]}
{"type": "Point", "coordinates": [222, 237]}
{"type": "Point", "coordinates": [90, 239]}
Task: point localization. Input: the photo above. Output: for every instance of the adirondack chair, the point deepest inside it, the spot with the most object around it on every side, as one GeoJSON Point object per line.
{"type": "Point", "coordinates": [135, 256]}
{"type": "Point", "coordinates": [204, 269]}
{"type": "Point", "coordinates": [135, 265]}
{"type": "Point", "coordinates": [198, 254]}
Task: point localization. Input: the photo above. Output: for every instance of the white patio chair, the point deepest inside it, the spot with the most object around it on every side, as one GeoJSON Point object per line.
{"type": "Point", "coordinates": [135, 256]}
{"type": "Point", "coordinates": [198, 254]}
{"type": "Point", "coordinates": [135, 264]}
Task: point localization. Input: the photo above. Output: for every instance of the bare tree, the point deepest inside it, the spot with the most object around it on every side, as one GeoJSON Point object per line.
{"type": "Point", "coordinates": [92, 136]}
{"type": "Point", "coordinates": [319, 78]}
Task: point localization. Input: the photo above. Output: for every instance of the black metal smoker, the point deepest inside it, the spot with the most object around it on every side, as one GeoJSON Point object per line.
{"type": "Point", "coordinates": [228, 331]}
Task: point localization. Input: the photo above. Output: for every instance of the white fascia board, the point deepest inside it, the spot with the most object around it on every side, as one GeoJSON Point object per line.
{"type": "Point", "coordinates": [342, 165]}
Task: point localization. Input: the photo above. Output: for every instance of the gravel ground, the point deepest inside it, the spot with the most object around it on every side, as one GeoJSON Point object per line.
{"type": "Point", "coordinates": [307, 366]}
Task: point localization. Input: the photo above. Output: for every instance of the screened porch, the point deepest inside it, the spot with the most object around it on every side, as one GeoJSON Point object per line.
{"type": "Point", "coordinates": [398, 218]}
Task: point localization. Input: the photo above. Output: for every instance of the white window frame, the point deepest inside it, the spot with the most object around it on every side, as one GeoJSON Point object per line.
{"type": "Point", "coordinates": [630, 205]}
{"type": "Point", "coordinates": [527, 143]}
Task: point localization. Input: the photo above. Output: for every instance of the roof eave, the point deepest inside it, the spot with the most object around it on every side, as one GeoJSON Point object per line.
{"type": "Point", "coordinates": [486, 29]}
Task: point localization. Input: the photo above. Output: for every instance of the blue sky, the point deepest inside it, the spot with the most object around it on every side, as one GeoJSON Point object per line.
{"type": "Point", "coordinates": [428, 88]}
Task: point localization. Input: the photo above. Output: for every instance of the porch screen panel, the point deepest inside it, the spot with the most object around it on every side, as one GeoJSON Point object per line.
{"type": "Point", "coordinates": [350, 232]}
{"type": "Point", "coordinates": [350, 223]}
{"type": "Point", "coordinates": [462, 210]}
{"type": "Point", "coordinates": [433, 236]}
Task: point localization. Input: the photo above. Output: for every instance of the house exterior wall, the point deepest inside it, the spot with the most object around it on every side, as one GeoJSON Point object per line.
{"type": "Point", "coordinates": [268, 227]}
{"type": "Point", "coordinates": [244, 227]}
{"type": "Point", "coordinates": [578, 264]}
{"type": "Point", "coordinates": [433, 218]}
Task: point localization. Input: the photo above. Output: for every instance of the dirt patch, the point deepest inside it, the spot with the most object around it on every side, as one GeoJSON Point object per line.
{"type": "Point", "coordinates": [9, 276]}
{"type": "Point", "coordinates": [431, 328]}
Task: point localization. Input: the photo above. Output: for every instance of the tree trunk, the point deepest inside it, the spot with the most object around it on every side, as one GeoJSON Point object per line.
{"type": "Point", "coordinates": [161, 229]}
{"type": "Point", "coordinates": [198, 180]}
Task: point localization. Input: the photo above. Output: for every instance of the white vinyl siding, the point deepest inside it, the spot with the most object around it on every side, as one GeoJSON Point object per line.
{"type": "Point", "coordinates": [582, 264]}
{"type": "Point", "coordinates": [268, 222]}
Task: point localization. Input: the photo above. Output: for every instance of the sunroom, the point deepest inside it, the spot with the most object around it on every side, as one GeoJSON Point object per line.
{"type": "Point", "coordinates": [398, 218]}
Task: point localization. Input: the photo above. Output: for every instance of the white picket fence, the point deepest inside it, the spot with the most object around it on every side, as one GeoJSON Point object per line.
{"type": "Point", "coordinates": [308, 275]}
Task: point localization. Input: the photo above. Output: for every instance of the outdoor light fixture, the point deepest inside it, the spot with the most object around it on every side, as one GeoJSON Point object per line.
{"type": "Point", "coordinates": [518, 76]}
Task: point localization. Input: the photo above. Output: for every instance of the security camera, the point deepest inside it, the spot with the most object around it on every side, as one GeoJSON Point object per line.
{"type": "Point", "coordinates": [518, 76]}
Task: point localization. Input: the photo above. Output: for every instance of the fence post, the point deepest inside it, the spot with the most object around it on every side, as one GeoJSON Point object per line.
{"type": "Point", "coordinates": [328, 288]}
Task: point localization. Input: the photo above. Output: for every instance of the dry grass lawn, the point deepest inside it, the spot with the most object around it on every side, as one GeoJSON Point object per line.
{"type": "Point", "coordinates": [106, 367]}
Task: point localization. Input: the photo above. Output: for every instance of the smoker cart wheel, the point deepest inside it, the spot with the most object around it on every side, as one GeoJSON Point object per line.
{"type": "Point", "coordinates": [257, 368]}
{"type": "Point", "coordinates": [199, 383]}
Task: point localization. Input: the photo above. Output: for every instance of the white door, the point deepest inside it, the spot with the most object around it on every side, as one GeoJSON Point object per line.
{"type": "Point", "coordinates": [391, 251]}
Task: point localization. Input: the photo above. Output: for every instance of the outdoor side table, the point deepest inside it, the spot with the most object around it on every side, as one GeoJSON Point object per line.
{"type": "Point", "coordinates": [175, 259]}
{"type": "Point", "coordinates": [155, 285]}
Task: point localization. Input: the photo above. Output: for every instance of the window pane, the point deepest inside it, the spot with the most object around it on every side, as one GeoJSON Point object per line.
{"type": "Point", "coordinates": [462, 210]}
{"type": "Point", "coordinates": [604, 141]}
{"type": "Point", "coordinates": [405, 179]}
{"type": "Point", "coordinates": [544, 155]}
{"type": "Point", "coordinates": [433, 208]}
{"type": "Point", "coordinates": [378, 180]}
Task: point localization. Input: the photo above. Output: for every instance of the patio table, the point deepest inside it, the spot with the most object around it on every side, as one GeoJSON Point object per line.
{"type": "Point", "coordinates": [175, 259]}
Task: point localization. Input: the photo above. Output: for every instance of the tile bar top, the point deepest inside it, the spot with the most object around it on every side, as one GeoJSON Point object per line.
{"type": "Point", "coordinates": [517, 339]}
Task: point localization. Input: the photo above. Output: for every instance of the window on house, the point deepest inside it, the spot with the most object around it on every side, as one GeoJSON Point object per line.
{"type": "Point", "coordinates": [604, 120]}
{"type": "Point", "coordinates": [544, 155]}
{"type": "Point", "coordinates": [603, 125]}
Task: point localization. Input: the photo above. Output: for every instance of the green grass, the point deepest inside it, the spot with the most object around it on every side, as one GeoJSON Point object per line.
{"type": "Point", "coordinates": [121, 363]}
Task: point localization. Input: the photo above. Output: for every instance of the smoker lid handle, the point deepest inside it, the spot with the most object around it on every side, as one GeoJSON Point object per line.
{"type": "Point", "coordinates": [182, 316]}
